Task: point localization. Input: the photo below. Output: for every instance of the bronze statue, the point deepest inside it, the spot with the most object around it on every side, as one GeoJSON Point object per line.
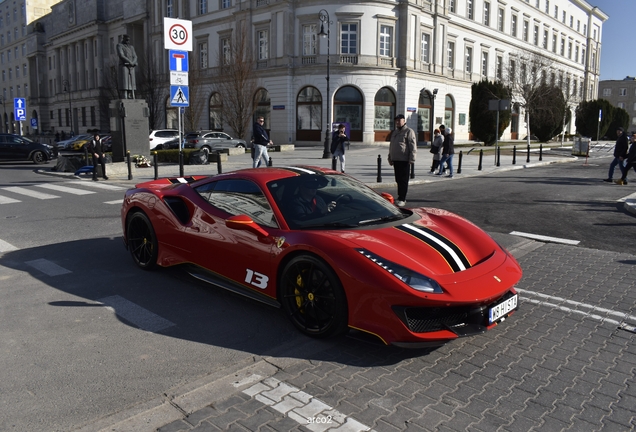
{"type": "Point", "coordinates": [127, 64]}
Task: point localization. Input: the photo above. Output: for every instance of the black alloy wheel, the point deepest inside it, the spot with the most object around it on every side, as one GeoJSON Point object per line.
{"type": "Point", "coordinates": [142, 241]}
{"type": "Point", "coordinates": [38, 157]}
{"type": "Point", "coordinates": [312, 297]}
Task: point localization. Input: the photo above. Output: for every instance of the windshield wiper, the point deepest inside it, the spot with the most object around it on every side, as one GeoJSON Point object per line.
{"type": "Point", "coordinates": [382, 219]}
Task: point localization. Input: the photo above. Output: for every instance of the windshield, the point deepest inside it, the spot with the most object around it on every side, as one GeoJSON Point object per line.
{"type": "Point", "coordinates": [317, 201]}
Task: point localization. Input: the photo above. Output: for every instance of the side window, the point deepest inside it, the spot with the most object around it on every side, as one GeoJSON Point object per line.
{"type": "Point", "coordinates": [239, 197]}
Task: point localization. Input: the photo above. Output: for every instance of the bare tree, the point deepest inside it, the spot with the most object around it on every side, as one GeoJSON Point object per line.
{"type": "Point", "coordinates": [151, 87]}
{"type": "Point", "coordinates": [197, 93]}
{"type": "Point", "coordinates": [526, 75]}
{"type": "Point", "coordinates": [107, 91]}
{"type": "Point", "coordinates": [237, 82]}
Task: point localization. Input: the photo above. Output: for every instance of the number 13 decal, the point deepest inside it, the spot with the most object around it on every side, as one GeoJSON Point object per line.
{"type": "Point", "coordinates": [259, 280]}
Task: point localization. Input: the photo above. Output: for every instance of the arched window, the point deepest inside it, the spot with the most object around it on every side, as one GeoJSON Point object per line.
{"type": "Point", "coordinates": [449, 113]}
{"type": "Point", "coordinates": [263, 107]}
{"type": "Point", "coordinates": [424, 116]}
{"type": "Point", "coordinates": [384, 114]}
{"type": "Point", "coordinates": [348, 108]}
{"type": "Point", "coordinates": [216, 116]}
{"type": "Point", "coordinates": [172, 116]}
{"type": "Point", "coordinates": [308, 114]}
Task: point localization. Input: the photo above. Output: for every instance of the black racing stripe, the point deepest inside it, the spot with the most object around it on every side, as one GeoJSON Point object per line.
{"type": "Point", "coordinates": [300, 171]}
{"type": "Point", "coordinates": [187, 179]}
{"type": "Point", "coordinates": [442, 251]}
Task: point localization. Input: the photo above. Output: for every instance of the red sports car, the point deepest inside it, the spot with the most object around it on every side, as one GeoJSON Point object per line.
{"type": "Point", "coordinates": [330, 251]}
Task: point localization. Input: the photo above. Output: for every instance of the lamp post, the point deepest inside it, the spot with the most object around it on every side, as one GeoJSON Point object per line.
{"type": "Point", "coordinates": [432, 127]}
{"type": "Point", "coordinates": [67, 87]}
{"type": "Point", "coordinates": [324, 18]}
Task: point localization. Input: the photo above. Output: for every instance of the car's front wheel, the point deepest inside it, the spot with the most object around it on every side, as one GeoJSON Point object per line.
{"type": "Point", "coordinates": [313, 298]}
{"type": "Point", "coordinates": [142, 241]}
{"type": "Point", "coordinates": [38, 157]}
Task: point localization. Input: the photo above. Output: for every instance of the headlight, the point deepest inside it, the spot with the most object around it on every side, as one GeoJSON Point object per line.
{"type": "Point", "coordinates": [413, 279]}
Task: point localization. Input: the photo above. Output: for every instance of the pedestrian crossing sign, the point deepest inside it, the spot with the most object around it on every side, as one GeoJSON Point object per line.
{"type": "Point", "coordinates": [179, 96]}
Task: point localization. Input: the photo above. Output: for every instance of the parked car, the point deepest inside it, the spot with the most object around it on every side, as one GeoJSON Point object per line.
{"type": "Point", "coordinates": [69, 143]}
{"type": "Point", "coordinates": [107, 143]}
{"type": "Point", "coordinates": [212, 140]}
{"type": "Point", "coordinates": [159, 137]}
{"type": "Point", "coordinates": [172, 144]}
{"type": "Point", "coordinates": [16, 147]}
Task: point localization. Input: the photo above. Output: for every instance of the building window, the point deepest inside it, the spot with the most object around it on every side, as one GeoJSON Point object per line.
{"type": "Point", "coordinates": [513, 70]}
{"type": "Point", "coordinates": [562, 46]}
{"type": "Point", "coordinates": [556, 12]}
{"type": "Point", "coordinates": [426, 43]}
{"type": "Point", "coordinates": [564, 16]}
{"type": "Point", "coordinates": [226, 4]}
{"type": "Point", "coordinates": [536, 35]}
{"type": "Point", "coordinates": [547, 6]}
{"type": "Point", "coordinates": [469, 59]}
{"type": "Point", "coordinates": [225, 51]}
{"type": "Point", "coordinates": [469, 9]}
{"type": "Point", "coordinates": [576, 54]}
{"type": "Point", "coordinates": [513, 25]}
{"type": "Point", "coordinates": [484, 63]}
{"type": "Point", "coordinates": [585, 29]}
{"type": "Point", "coordinates": [263, 44]}
{"type": "Point", "coordinates": [607, 92]}
{"type": "Point", "coordinates": [622, 92]}
{"type": "Point", "coordinates": [525, 30]}
{"type": "Point", "coordinates": [349, 38]}
{"type": "Point", "coordinates": [216, 112]}
{"type": "Point", "coordinates": [203, 55]}
{"type": "Point", "coordinates": [634, 107]}
{"type": "Point", "coordinates": [500, 20]}
{"type": "Point", "coordinates": [570, 50]}
{"type": "Point", "coordinates": [546, 35]}
{"type": "Point", "coordinates": [169, 8]}
{"type": "Point", "coordinates": [571, 21]}
{"type": "Point", "coordinates": [203, 7]}
{"type": "Point", "coordinates": [450, 51]}
{"type": "Point", "coordinates": [554, 43]}
{"type": "Point", "coordinates": [499, 66]}
{"type": "Point", "coordinates": [620, 104]}
{"type": "Point", "coordinates": [487, 14]}
{"type": "Point", "coordinates": [386, 33]}
{"type": "Point", "coordinates": [583, 56]}
{"type": "Point", "coordinates": [451, 6]}
{"type": "Point", "coordinates": [309, 40]}
{"type": "Point", "coordinates": [83, 116]}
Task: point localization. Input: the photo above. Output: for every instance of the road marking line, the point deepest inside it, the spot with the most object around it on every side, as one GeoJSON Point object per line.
{"type": "Point", "coordinates": [60, 188]}
{"type": "Point", "coordinates": [29, 192]}
{"type": "Point", "coordinates": [47, 267]}
{"type": "Point", "coordinates": [545, 238]}
{"type": "Point", "coordinates": [113, 202]}
{"type": "Point", "coordinates": [6, 247]}
{"type": "Point", "coordinates": [96, 185]}
{"type": "Point", "coordinates": [135, 314]}
{"type": "Point", "coordinates": [7, 200]}
{"type": "Point", "coordinates": [305, 409]}
{"type": "Point", "coordinates": [628, 197]}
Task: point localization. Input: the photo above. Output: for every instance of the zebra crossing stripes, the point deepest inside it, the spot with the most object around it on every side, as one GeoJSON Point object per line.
{"type": "Point", "coordinates": [96, 185]}
{"type": "Point", "coordinates": [59, 188]}
{"type": "Point", "coordinates": [70, 188]}
{"type": "Point", "coordinates": [29, 192]}
{"type": "Point", "coordinates": [7, 200]}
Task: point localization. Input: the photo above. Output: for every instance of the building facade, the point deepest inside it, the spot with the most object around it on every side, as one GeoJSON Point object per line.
{"type": "Point", "coordinates": [621, 94]}
{"type": "Point", "coordinates": [415, 57]}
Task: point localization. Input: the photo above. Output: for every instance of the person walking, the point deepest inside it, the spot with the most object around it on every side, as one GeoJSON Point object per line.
{"type": "Point", "coordinates": [95, 148]}
{"type": "Point", "coordinates": [629, 161]}
{"type": "Point", "coordinates": [261, 141]}
{"type": "Point", "coordinates": [338, 140]}
{"type": "Point", "coordinates": [436, 148]}
{"type": "Point", "coordinates": [620, 153]}
{"type": "Point", "coordinates": [402, 153]}
{"type": "Point", "coordinates": [448, 150]}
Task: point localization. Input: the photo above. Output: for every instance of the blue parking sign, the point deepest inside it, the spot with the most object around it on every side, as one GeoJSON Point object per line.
{"type": "Point", "coordinates": [19, 109]}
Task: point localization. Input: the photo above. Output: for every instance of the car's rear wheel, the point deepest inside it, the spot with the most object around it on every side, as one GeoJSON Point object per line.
{"type": "Point", "coordinates": [38, 157]}
{"type": "Point", "coordinates": [313, 298]}
{"type": "Point", "coordinates": [142, 241]}
{"type": "Point", "coordinates": [240, 145]}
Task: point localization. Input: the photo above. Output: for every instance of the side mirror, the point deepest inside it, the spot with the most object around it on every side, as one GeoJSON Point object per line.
{"type": "Point", "coordinates": [244, 222]}
{"type": "Point", "coordinates": [387, 196]}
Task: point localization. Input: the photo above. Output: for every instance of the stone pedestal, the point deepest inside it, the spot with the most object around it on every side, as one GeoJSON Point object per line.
{"type": "Point", "coordinates": [129, 128]}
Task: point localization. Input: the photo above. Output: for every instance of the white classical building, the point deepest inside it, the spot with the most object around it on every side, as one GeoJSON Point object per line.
{"type": "Point", "coordinates": [415, 57]}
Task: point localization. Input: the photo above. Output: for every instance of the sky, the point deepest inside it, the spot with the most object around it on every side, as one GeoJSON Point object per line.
{"type": "Point", "coordinates": [618, 51]}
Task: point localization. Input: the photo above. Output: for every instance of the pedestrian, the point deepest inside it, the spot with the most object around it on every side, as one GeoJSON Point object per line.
{"type": "Point", "coordinates": [630, 161]}
{"type": "Point", "coordinates": [57, 136]}
{"type": "Point", "coordinates": [338, 140]}
{"type": "Point", "coordinates": [436, 149]}
{"type": "Point", "coordinates": [620, 153]}
{"type": "Point", "coordinates": [63, 136]}
{"type": "Point", "coordinates": [261, 141]}
{"type": "Point", "coordinates": [402, 152]}
{"type": "Point", "coordinates": [95, 148]}
{"type": "Point", "coordinates": [448, 150]}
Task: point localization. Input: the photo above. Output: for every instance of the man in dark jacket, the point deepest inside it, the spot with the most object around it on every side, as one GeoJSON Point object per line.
{"type": "Point", "coordinates": [630, 160]}
{"type": "Point", "coordinates": [620, 153]}
{"type": "Point", "coordinates": [402, 153]}
{"type": "Point", "coordinates": [95, 148]}
{"type": "Point", "coordinates": [261, 141]}
{"type": "Point", "coordinates": [447, 153]}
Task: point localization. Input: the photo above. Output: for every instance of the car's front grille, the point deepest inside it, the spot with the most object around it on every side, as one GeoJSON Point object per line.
{"type": "Point", "coordinates": [422, 320]}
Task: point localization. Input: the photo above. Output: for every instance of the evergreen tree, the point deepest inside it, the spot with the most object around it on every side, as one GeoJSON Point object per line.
{"type": "Point", "coordinates": [548, 112]}
{"type": "Point", "coordinates": [587, 117]}
{"type": "Point", "coordinates": [483, 122]}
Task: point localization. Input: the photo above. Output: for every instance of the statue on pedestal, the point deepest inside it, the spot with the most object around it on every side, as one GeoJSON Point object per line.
{"type": "Point", "coordinates": [127, 64]}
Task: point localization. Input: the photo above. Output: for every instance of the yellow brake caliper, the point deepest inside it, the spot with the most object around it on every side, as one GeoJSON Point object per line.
{"type": "Point", "coordinates": [299, 297]}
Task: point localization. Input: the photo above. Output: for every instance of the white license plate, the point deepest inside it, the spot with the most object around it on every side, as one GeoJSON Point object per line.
{"type": "Point", "coordinates": [502, 309]}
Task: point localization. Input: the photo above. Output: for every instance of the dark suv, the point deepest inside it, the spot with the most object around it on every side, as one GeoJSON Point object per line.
{"type": "Point", "coordinates": [16, 147]}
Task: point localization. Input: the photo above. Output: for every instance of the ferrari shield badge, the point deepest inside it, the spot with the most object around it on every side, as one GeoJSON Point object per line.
{"type": "Point", "coordinates": [280, 242]}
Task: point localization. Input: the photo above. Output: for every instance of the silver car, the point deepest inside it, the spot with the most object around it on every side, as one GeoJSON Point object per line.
{"type": "Point", "coordinates": [212, 140]}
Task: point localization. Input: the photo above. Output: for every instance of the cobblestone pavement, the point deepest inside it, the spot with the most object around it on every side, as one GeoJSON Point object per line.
{"type": "Point", "coordinates": [564, 361]}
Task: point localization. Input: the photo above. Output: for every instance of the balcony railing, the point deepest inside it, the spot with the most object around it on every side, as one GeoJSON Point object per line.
{"type": "Point", "coordinates": [308, 60]}
{"type": "Point", "coordinates": [349, 59]}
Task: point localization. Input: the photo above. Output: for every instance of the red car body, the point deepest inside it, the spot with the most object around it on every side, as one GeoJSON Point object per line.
{"type": "Point", "coordinates": [464, 281]}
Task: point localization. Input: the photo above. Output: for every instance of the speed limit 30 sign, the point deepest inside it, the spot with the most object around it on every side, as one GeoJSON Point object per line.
{"type": "Point", "coordinates": [177, 34]}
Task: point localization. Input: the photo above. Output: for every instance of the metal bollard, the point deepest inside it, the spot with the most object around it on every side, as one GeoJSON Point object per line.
{"type": "Point", "coordinates": [514, 155]}
{"type": "Point", "coordinates": [129, 166]}
{"type": "Point", "coordinates": [155, 162]}
{"type": "Point", "coordinates": [270, 163]}
{"type": "Point", "coordinates": [219, 166]}
{"type": "Point", "coordinates": [181, 164]}
{"type": "Point", "coordinates": [333, 163]}
{"type": "Point", "coordinates": [459, 165]}
{"type": "Point", "coordinates": [379, 178]}
{"type": "Point", "coordinates": [498, 156]}
{"type": "Point", "coordinates": [528, 157]}
{"type": "Point", "coordinates": [412, 170]}
{"type": "Point", "coordinates": [481, 157]}
{"type": "Point", "coordinates": [540, 152]}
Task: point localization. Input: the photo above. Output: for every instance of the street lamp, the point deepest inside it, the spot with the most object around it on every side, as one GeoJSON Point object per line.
{"type": "Point", "coordinates": [67, 88]}
{"type": "Point", "coordinates": [324, 18]}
